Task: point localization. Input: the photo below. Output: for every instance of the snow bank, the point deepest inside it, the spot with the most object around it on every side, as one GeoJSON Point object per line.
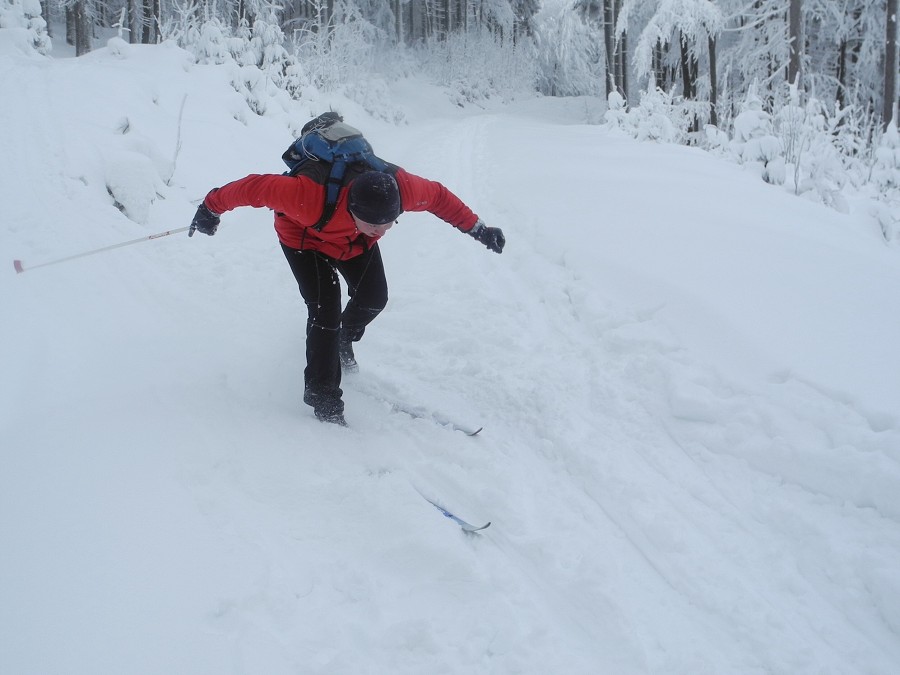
{"type": "Point", "coordinates": [687, 380]}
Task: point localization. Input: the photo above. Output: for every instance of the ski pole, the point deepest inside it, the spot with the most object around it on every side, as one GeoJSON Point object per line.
{"type": "Point", "coordinates": [20, 268]}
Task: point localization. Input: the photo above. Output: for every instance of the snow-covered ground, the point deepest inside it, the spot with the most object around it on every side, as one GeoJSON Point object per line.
{"type": "Point", "coordinates": [688, 381]}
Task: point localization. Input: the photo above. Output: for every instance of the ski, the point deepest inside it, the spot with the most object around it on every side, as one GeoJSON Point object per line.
{"type": "Point", "coordinates": [419, 412]}
{"type": "Point", "coordinates": [466, 527]}
{"type": "Point", "coordinates": [439, 418]}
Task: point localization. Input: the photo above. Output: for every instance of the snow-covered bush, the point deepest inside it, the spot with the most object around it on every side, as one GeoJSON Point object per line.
{"type": "Point", "coordinates": [660, 116]}
{"type": "Point", "coordinates": [25, 16]}
{"type": "Point", "coordinates": [755, 143]}
{"type": "Point", "coordinates": [263, 69]}
{"type": "Point", "coordinates": [808, 137]}
{"type": "Point", "coordinates": [338, 52]}
{"type": "Point", "coordinates": [476, 65]}
{"type": "Point", "coordinates": [206, 40]}
{"type": "Point", "coordinates": [134, 183]}
{"type": "Point", "coordinates": [716, 139]}
{"type": "Point", "coordinates": [296, 79]}
{"type": "Point", "coordinates": [885, 179]}
{"type": "Point", "coordinates": [616, 115]}
{"type": "Point", "coordinates": [886, 218]}
{"type": "Point", "coordinates": [374, 96]}
{"type": "Point", "coordinates": [346, 55]}
{"type": "Point", "coordinates": [854, 136]}
{"type": "Point", "coordinates": [886, 172]}
{"type": "Point", "coordinates": [652, 119]}
{"type": "Point", "coordinates": [117, 47]}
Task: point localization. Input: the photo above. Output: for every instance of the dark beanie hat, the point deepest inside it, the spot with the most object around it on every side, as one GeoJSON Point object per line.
{"type": "Point", "coordinates": [375, 198]}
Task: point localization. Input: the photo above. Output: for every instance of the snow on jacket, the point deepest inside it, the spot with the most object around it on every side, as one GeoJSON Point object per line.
{"type": "Point", "coordinates": [298, 202]}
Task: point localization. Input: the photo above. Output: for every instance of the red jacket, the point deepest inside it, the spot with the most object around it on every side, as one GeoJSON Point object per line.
{"type": "Point", "coordinates": [298, 201]}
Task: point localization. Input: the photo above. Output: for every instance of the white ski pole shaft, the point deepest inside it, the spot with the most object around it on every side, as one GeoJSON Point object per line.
{"type": "Point", "coordinates": [21, 268]}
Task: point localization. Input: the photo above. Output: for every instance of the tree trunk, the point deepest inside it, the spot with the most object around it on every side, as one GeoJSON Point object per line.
{"type": "Point", "coordinates": [416, 21]}
{"type": "Point", "coordinates": [131, 21]}
{"type": "Point", "coordinates": [146, 20]}
{"type": "Point", "coordinates": [155, 32]}
{"type": "Point", "coordinates": [688, 68]}
{"type": "Point", "coordinates": [622, 63]}
{"type": "Point", "coordinates": [840, 94]}
{"type": "Point", "coordinates": [659, 68]}
{"type": "Point", "coordinates": [713, 84]}
{"type": "Point", "coordinates": [609, 40]}
{"type": "Point", "coordinates": [70, 25]}
{"type": "Point", "coordinates": [890, 65]}
{"type": "Point", "coordinates": [796, 44]}
{"type": "Point", "coordinates": [82, 28]}
{"type": "Point", "coordinates": [688, 76]}
{"type": "Point", "coordinates": [398, 21]}
{"type": "Point", "coordinates": [45, 14]}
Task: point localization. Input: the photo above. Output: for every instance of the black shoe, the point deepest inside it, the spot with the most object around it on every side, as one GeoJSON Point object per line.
{"type": "Point", "coordinates": [326, 409]}
{"type": "Point", "coordinates": [332, 417]}
{"type": "Point", "coordinates": [345, 352]}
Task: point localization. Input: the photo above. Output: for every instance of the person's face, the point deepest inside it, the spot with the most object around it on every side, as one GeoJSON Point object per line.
{"type": "Point", "coordinates": [369, 229]}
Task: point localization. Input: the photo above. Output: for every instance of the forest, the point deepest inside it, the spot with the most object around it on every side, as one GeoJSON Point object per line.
{"type": "Point", "coordinates": [805, 90]}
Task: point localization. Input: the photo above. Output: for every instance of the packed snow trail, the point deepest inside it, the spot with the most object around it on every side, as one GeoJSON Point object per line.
{"type": "Point", "coordinates": [670, 489]}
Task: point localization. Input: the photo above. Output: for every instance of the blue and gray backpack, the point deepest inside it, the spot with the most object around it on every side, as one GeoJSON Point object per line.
{"type": "Point", "coordinates": [332, 153]}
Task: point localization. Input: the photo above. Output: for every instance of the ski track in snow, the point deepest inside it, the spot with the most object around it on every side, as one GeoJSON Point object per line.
{"type": "Point", "coordinates": [170, 506]}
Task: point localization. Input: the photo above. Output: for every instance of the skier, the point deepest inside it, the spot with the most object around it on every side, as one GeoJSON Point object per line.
{"type": "Point", "coordinates": [348, 244]}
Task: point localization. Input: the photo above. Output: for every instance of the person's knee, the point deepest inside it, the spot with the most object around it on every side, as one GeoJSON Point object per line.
{"type": "Point", "coordinates": [372, 301]}
{"type": "Point", "coordinates": [327, 316]}
{"type": "Point", "coordinates": [379, 301]}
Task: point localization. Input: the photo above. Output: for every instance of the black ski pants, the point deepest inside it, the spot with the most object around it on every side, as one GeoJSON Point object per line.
{"type": "Point", "coordinates": [317, 277]}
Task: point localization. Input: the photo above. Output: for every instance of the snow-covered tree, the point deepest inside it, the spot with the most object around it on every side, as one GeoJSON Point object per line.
{"type": "Point", "coordinates": [570, 52]}
{"type": "Point", "coordinates": [25, 16]}
{"type": "Point", "coordinates": [524, 12]}
{"type": "Point", "coordinates": [265, 46]}
{"type": "Point", "coordinates": [672, 42]}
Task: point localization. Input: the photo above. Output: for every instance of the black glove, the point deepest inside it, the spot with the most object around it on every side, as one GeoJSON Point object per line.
{"type": "Point", "coordinates": [205, 221]}
{"type": "Point", "coordinates": [492, 237]}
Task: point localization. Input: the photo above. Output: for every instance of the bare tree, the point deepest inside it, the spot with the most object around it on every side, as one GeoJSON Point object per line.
{"type": "Point", "coordinates": [524, 12]}
{"type": "Point", "coordinates": [890, 65]}
{"type": "Point", "coordinates": [621, 54]}
{"type": "Point", "coordinates": [45, 13]}
{"type": "Point", "coordinates": [609, 39]}
{"type": "Point", "coordinates": [796, 41]}
{"type": "Point", "coordinates": [397, 9]}
{"type": "Point", "coordinates": [81, 19]}
{"type": "Point", "coordinates": [688, 69]}
{"type": "Point", "coordinates": [713, 83]}
{"type": "Point", "coordinates": [151, 16]}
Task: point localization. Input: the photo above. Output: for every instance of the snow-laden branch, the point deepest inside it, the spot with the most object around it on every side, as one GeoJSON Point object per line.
{"type": "Point", "coordinates": [693, 21]}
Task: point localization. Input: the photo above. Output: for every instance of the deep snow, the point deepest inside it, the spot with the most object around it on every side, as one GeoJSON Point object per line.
{"type": "Point", "coordinates": [687, 378]}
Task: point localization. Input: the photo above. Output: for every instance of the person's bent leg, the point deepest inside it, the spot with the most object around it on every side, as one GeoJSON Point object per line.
{"type": "Point", "coordinates": [321, 291]}
{"type": "Point", "coordinates": [367, 287]}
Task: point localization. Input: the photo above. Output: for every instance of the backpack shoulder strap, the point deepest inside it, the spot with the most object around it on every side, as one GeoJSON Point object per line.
{"type": "Point", "coordinates": [355, 159]}
{"type": "Point", "coordinates": [332, 154]}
